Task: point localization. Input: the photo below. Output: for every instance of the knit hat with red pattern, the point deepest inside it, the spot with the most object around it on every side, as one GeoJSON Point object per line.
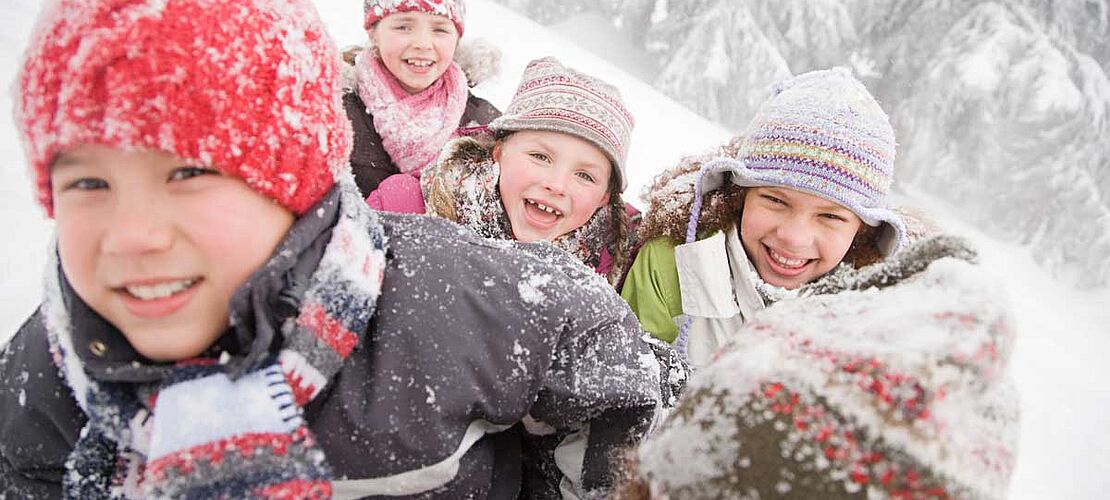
{"type": "Point", "coordinates": [249, 88]}
{"type": "Point", "coordinates": [555, 98]}
{"type": "Point", "coordinates": [375, 10]}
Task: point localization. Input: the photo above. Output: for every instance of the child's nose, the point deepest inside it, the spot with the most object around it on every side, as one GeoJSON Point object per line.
{"type": "Point", "coordinates": [422, 39]}
{"type": "Point", "coordinates": [557, 182]}
{"type": "Point", "coordinates": [795, 232]}
{"type": "Point", "coordinates": [136, 228]}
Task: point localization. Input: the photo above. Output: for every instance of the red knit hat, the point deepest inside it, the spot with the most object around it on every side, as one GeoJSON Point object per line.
{"type": "Point", "coordinates": [375, 10]}
{"type": "Point", "coordinates": [249, 88]}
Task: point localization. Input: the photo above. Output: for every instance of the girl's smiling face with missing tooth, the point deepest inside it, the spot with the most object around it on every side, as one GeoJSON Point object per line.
{"type": "Point", "coordinates": [551, 183]}
{"type": "Point", "coordinates": [793, 238]}
{"type": "Point", "coordinates": [157, 246]}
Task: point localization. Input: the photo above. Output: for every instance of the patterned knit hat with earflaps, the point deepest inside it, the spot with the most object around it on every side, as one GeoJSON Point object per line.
{"type": "Point", "coordinates": [554, 98]}
{"type": "Point", "coordinates": [821, 133]}
{"type": "Point", "coordinates": [249, 88]}
{"type": "Point", "coordinates": [375, 10]}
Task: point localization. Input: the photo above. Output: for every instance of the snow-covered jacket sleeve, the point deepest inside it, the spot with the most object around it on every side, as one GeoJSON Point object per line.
{"type": "Point", "coordinates": [607, 383]}
{"type": "Point", "coordinates": [39, 418]}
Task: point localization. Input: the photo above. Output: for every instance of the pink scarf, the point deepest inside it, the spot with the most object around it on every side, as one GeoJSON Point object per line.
{"type": "Point", "coordinates": [414, 127]}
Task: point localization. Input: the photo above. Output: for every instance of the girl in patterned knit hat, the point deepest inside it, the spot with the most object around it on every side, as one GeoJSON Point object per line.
{"type": "Point", "coordinates": [224, 317]}
{"type": "Point", "coordinates": [803, 191]}
{"type": "Point", "coordinates": [553, 169]}
{"type": "Point", "coordinates": [408, 93]}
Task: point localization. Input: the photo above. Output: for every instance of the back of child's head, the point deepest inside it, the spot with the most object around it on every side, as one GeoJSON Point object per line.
{"type": "Point", "coordinates": [249, 88]}
{"type": "Point", "coordinates": [822, 133]}
{"type": "Point", "coordinates": [554, 98]}
{"type": "Point", "coordinates": [375, 10]}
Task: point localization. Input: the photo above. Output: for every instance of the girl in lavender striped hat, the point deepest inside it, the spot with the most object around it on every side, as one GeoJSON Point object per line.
{"type": "Point", "coordinates": [803, 191]}
{"type": "Point", "coordinates": [840, 353]}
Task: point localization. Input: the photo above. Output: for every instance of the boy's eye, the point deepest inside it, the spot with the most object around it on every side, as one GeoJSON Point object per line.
{"type": "Point", "coordinates": [834, 217]}
{"type": "Point", "coordinates": [184, 173]}
{"type": "Point", "coordinates": [86, 184]}
{"type": "Point", "coordinates": [540, 156]}
{"type": "Point", "coordinates": [586, 176]}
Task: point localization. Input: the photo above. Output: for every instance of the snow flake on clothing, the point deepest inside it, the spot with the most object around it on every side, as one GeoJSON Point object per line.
{"type": "Point", "coordinates": [463, 187]}
{"type": "Point", "coordinates": [888, 390]}
{"type": "Point", "coordinates": [175, 434]}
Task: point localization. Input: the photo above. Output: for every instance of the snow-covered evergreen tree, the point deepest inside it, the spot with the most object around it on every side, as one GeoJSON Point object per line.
{"type": "Point", "coordinates": [699, 50]}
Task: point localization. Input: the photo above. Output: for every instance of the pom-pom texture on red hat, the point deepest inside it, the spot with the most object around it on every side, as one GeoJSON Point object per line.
{"type": "Point", "coordinates": [250, 88]}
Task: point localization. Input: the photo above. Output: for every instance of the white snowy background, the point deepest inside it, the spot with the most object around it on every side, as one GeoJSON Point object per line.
{"type": "Point", "coordinates": [1006, 53]}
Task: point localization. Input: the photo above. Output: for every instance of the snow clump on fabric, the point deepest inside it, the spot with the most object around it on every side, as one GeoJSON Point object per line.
{"type": "Point", "coordinates": [875, 392]}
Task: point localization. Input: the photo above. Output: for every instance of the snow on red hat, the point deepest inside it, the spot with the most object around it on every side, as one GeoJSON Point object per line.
{"type": "Point", "coordinates": [375, 10]}
{"type": "Point", "coordinates": [249, 88]}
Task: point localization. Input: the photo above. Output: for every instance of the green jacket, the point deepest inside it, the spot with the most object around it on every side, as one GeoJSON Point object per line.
{"type": "Point", "coordinates": [652, 290]}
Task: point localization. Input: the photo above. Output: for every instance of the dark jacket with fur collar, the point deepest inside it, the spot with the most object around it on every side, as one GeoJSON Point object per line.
{"type": "Point", "coordinates": [464, 181]}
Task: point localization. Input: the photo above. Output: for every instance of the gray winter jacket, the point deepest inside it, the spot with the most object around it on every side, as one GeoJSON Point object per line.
{"type": "Point", "coordinates": [492, 369]}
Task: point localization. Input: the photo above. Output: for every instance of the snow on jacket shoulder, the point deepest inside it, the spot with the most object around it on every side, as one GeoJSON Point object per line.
{"type": "Point", "coordinates": [39, 418]}
{"type": "Point", "coordinates": [474, 336]}
{"type": "Point", "coordinates": [887, 382]}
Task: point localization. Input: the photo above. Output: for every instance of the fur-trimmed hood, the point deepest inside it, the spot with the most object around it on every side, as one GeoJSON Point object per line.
{"type": "Point", "coordinates": [672, 194]}
{"type": "Point", "coordinates": [479, 59]}
{"type": "Point", "coordinates": [462, 187]}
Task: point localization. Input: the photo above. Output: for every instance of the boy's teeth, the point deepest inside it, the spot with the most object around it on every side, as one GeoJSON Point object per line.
{"type": "Point", "coordinates": [787, 262]}
{"type": "Point", "coordinates": [159, 291]}
{"type": "Point", "coordinates": [419, 62]}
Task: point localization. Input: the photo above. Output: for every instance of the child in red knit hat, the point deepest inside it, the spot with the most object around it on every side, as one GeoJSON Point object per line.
{"type": "Point", "coordinates": [409, 93]}
{"type": "Point", "coordinates": [224, 316]}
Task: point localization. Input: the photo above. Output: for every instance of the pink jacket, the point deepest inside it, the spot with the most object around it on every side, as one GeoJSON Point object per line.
{"type": "Point", "coordinates": [398, 193]}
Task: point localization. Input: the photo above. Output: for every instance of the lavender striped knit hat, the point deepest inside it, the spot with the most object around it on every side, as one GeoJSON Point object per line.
{"type": "Point", "coordinates": [821, 133]}
{"type": "Point", "coordinates": [555, 98]}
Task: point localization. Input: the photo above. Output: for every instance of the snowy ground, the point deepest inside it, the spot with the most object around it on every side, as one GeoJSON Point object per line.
{"type": "Point", "coordinates": [1065, 449]}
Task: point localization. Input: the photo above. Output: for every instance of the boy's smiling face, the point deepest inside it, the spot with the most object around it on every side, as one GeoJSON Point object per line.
{"type": "Point", "coordinates": [551, 183]}
{"type": "Point", "coordinates": [792, 237]}
{"type": "Point", "coordinates": [157, 246]}
{"type": "Point", "coordinates": [416, 47]}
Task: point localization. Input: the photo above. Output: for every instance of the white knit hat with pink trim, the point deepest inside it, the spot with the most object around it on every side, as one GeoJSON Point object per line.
{"type": "Point", "coordinates": [375, 10]}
